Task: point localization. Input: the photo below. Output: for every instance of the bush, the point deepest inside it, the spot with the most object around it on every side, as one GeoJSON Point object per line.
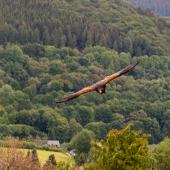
{"type": "Point", "coordinates": [161, 153]}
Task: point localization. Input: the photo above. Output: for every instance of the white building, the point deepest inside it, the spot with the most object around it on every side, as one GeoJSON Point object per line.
{"type": "Point", "coordinates": [55, 143]}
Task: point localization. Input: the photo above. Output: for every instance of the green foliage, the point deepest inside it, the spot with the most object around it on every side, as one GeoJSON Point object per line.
{"type": "Point", "coordinates": [123, 150]}
{"type": "Point", "coordinates": [112, 24]}
{"type": "Point", "coordinates": [64, 166]}
{"type": "Point", "coordinates": [161, 153]}
{"type": "Point", "coordinates": [81, 142]}
{"type": "Point", "coordinates": [84, 114]}
{"type": "Point", "coordinates": [46, 120]}
{"type": "Point", "coordinates": [141, 98]}
{"type": "Point", "coordinates": [18, 130]}
{"type": "Point", "coordinates": [74, 128]}
{"type": "Point", "coordinates": [100, 129]}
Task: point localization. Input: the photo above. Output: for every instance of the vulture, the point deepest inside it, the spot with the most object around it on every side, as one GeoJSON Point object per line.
{"type": "Point", "coordinates": [99, 86]}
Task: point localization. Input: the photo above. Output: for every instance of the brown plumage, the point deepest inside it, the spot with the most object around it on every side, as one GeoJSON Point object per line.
{"type": "Point", "coordinates": [99, 86]}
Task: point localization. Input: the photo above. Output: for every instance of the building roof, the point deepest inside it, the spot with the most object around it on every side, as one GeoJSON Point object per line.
{"type": "Point", "coordinates": [53, 142]}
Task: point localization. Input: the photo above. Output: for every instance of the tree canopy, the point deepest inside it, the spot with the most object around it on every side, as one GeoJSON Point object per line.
{"type": "Point", "coordinates": [113, 24]}
{"type": "Point", "coordinates": [123, 150]}
{"type": "Point", "coordinates": [32, 80]}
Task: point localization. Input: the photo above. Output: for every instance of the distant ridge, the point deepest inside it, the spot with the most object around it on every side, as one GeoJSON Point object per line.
{"type": "Point", "coordinates": [160, 7]}
{"type": "Point", "coordinates": [79, 24]}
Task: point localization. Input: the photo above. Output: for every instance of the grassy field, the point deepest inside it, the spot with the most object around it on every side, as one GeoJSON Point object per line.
{"type": "Point", "coordinates": [9, 154]}
{"type": "Point", "coordinates": [59, 156]}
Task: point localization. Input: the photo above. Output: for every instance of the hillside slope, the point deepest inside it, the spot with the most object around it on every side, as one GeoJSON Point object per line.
{"type": "Point", "coordinates": [34, 77]}
{"type": "Point", "coordinates": [79, 23]}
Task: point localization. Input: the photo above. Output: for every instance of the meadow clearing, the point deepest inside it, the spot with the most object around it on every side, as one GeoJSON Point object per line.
{"type": "Point", "coordinates": [59, 156]}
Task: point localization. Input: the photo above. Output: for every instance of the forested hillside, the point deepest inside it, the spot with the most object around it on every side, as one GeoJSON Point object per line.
{"type": "Point", "coordinates": [33, 77]}
{"type": "Point", "coordinates": [52, 48]}
{"type": "Point", "coordinates": [79, 23]}
{"type": "Point", "coordinates": [161, 7]}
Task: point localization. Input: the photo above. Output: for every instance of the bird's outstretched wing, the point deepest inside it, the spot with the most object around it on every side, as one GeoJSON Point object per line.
{"type": "Point", "coordinates": [99, 83]}
{"type": "Point", "coordinates": [77, 94]}
{"type": "Point", "coordinates": [120, 73]}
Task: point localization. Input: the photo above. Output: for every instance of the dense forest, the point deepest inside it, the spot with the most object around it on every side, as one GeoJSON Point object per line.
{"type": "Point", "coordinates": [161, 7]}
{"type": "Point", "coordinates": [33, 77]}
{"type": "Point", "coordinates": [110, 23]}
{"type": "Point", "coordinates": [60, 49]}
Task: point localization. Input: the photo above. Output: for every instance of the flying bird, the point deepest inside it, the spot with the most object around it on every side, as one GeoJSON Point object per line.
{"type": "Point", "coordinates": [100, 86]}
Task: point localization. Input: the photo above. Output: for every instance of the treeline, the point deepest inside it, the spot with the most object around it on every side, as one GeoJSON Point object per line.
{"type": "Point", "coordinates": [114, 24]}
{"type": "Point", "coordinates": [161, 7]}
{"type": "Point", "coordinates": [34, 76]}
